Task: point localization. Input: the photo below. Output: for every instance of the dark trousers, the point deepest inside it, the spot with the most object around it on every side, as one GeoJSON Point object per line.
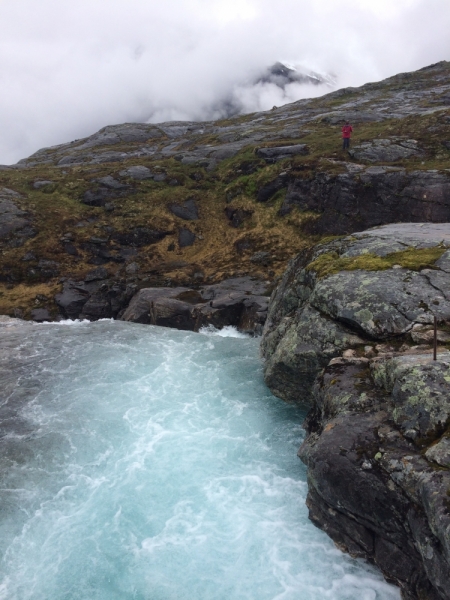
{"type": "Point", "coordinates": [345, 143]}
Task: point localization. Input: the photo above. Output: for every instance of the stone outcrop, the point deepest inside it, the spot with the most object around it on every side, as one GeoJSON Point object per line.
{"type": "Point", "coordinates": [96, 297]}
{"type": "Point", "coordinates": [378, 462]}
{"type": "Point", "coordinates": [313, 318]}
{"type": "Point", "coordinates": [389, 150]}
{"type": "Point", "coordinates": [273, 154]}
{"type": "Point", "coordinates": [366, 197]}
{"type": "Point", "coordinates": [349, 331]}
{"type": "Point", "coordinates": [15, 223]}
{"type": "Point", "coordinates": [240, 302]}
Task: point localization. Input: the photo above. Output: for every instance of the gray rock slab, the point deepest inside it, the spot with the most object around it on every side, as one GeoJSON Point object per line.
{"type": "Point", "coordinates": [42, 184]}
{"type": "Point", "coordinates": [139, 309]}
{"type": "Point", "coordinates": [226, 151]}
{"type": "Point", "coordinates": [137, 172]}
{"type": "Point", "coordinates": [111, 183]}
{"type": "Point", "coordinates": [281, 152]}
{"type": "Point", "coordinates": [420, 394]}
{"type": "Point", "coordinates": [307, 343]}
{"type": "Point", "coordinates": [7, 193]}
{"type": "Point", "coordinates": [385, 150]}
{"type": "Point", "coordinates": [96, 274]}
{"type": "Point", "coordinates": [375, 305]}
{"type": "Point", "coordinates": [443, 263]}
{"type": "Point", "coordinates": [378, 246]}
{"type": "Point", "coordinates": [238, 302]}
{"type": "Point", "coordinates": [380, 303]}
{"type": "Point", "coordinates": [72, 299]}
{"type": "Point", "coordinates": [440, 453]}
{"type": "Point", "coordinates": [354, 116]}
{"type": "Point", "coordinates": [408, 232]}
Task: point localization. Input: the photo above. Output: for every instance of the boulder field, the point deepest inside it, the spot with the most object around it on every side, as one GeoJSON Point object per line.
{"type": "Point", "coordinates": [350, 331]}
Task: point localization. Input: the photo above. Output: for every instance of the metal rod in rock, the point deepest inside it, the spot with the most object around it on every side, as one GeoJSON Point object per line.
{"type": "Point", "coordinates": [435, 339]}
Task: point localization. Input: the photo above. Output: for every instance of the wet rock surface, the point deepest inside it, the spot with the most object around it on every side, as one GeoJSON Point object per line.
{"type": "Point", "coordinates": [239, 302]}
{"type": "Point", "coordinates": [377, 445]}
{"type": "Point", "coordinates": [93, 299]}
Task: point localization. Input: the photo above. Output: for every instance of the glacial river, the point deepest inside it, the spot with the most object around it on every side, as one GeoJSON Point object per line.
{"type": "Point", "coordinates": [151, 464]}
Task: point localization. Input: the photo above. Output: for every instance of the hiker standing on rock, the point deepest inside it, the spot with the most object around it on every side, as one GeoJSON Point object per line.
{"type": "Point", "coordinates": [346, 135]}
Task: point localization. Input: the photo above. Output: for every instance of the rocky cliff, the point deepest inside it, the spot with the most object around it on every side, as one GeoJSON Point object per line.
{"type": "Point", "coordinates": [192, 204]}
{"type": "Point", "coordinates": [350, 331]}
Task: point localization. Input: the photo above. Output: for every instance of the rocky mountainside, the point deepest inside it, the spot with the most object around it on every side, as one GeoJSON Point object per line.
{"type": "Point", "coordinates": [192, 204]}
{"type": "Point", "coordinates": [350, 330]}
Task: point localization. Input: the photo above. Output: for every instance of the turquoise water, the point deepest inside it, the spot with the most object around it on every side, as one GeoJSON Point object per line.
{"type": "Point", "coordinates": [152, 464]}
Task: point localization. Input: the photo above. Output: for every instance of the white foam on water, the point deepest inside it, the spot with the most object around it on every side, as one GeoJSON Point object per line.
{"type": "Point", "coordinates": [227, 331]}
{"type": "Point", "coordinates": [151, 464]}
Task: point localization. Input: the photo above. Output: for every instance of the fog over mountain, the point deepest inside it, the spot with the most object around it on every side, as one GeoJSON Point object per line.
{"type": "Point", "coordinates": [70, 68]}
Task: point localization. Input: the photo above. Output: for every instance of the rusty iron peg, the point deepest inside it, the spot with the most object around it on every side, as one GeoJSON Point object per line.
{"type": "Point", "coordinates": [435, 339]}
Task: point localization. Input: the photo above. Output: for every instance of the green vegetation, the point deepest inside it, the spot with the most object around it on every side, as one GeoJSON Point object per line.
{"type": "Point", "coordinates": [413, 259]}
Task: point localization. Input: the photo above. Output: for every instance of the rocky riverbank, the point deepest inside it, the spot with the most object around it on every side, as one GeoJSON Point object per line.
{"type": "Point", "coordinates": [349, 331]}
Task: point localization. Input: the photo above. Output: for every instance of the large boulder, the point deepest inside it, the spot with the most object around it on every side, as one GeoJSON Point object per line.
{"type": "Point", "coordinates": [346, 294]}
{"type": "Point", "coordinates": [239, 302]}
{"type": "Point", "coordinates": [95, 297]}
{"type": "Point", "coordinates": [187, 211]}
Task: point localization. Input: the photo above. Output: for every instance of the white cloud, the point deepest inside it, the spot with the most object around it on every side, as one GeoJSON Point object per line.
{"type": "Point", "coordinates": [70, 68]}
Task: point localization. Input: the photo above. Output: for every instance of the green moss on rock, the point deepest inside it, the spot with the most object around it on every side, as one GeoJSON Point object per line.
{"type": "Point", "coordinates": [413, 259]}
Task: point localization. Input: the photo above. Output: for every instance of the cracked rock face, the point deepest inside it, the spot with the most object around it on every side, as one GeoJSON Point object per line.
{"type": "Point", "coordinates": [369, 196]}
{"type": "Point", "coordinates": [379, 494]}
{"type": "Point", "coordinates": [313, 318]}
{"type": "Point", "coordinates": [378, 431]}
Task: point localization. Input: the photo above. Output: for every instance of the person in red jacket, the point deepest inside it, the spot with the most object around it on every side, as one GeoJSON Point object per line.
{"type": "Point", "coordinates": [346, 135]}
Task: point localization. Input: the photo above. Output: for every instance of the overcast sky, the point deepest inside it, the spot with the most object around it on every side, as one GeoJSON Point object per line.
{"type": "Point", "coordinates": [68, 68]}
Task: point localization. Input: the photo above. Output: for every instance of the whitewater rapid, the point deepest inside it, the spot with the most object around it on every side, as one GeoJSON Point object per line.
{"type": "Point", "coordinates": [152, 464]}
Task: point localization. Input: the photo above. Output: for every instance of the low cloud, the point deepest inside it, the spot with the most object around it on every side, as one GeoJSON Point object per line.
{"type": "Point", "coordinates": [69, 69]}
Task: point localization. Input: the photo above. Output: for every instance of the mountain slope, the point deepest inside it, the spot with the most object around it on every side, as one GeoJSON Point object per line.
{"type": "Point", "coordinates": [189, 203]}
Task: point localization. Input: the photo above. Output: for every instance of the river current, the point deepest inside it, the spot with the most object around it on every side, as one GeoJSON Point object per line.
{"type": "Point", "coordinates": [152, 464]}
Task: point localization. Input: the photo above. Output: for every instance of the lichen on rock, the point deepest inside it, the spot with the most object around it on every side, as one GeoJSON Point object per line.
{"type": "Point", "coordinates": [378, 430]}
